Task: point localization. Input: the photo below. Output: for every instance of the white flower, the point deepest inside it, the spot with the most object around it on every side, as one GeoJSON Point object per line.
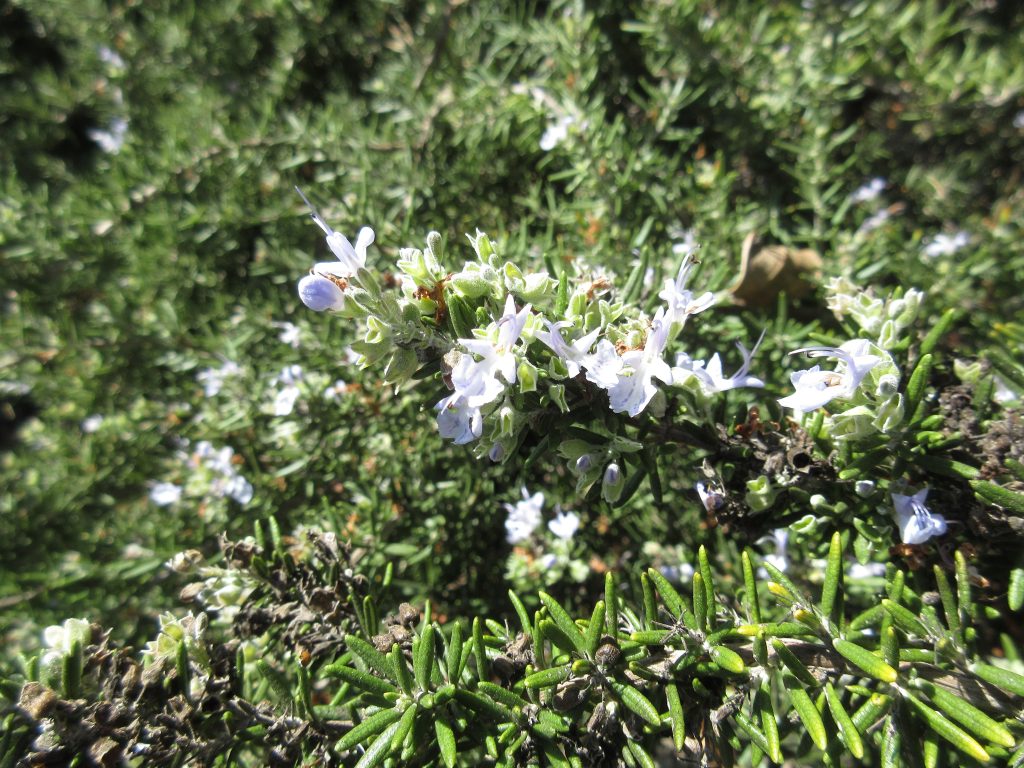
{"type": "Point", "coordinates": [565, 525]}
{"type": "Point", "coordinates": [680, 300]}
{"type": "Point", "coordinates": [556, 133]}
{"type": "Point", "coordinates": [290, 334]}
{"type": "Point", "coordinates": [815, 387]}
{"type": "Point", "coordinates": [239, 489]}
{"type": "Point", "coordinates": [573, 355]}
{"type": "Point", "coordinates": [111, 138]}
{"type": "Point", "coordinates": [212, 379]}
{"type": "Point", "coordinates": [284, 401]}
{"type": "Point", "coordinates": [110, 56]}
{"type": "Point", "coordinates": [165, 494]}
{"type": "Point", "coordinates": [1018, 120]}
{"type": "Point", "coordinates": [869, 191]}
{"type": "Point", "coordinates": [604, 365]}
{"type": "Point", "coordinates": [350, 259]}
{"type": "Point", "coordinates": [320, 293]}
{"type": "Point", "coordinates": [945, 245]}
{"type": "Point", "coordinates": [290, 375]}
{"type": "Point", "coordinates": [337, 389]}
{"type": "Point", "coordinates": [875, 220]}
{"type": "Point", "coordinates": [499, 356]}
{"type": "Point", "coordinates": [869, 571]}
{"type": "Point", "coordinates": [779, 538]}
{"type": "Point", "coordinates": [634, 387]}
{"type": "Point", "coordinates": [523, 517]}
{"type": "Point", "coordinates": [711, 378]}
{"type": "Point", "coordinates": [458, 420]}
{"type": "Point", "coordinates": [917, 524]}
{"type": "Point", "coordinates": [91, 424]}
{"type": "Point", "coordinates": [322, 289]}
{"type": "Point", "coordinates": [60, 637]}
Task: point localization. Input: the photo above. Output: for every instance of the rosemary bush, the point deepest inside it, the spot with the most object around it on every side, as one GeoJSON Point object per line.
{"type": "Point", "coordinates": [708, 451]}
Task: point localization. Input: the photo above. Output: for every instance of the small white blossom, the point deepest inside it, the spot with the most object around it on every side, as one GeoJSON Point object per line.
{"type": "Point", "coordinates": [875, 220]}
{"type": "Point", "coordinates": [284, 401]}
{"type": "Point", "coordinates": [779, 539]}
{"type": "Point", "coordinates": [499, 357]}
{"type": "Point", "coordinates": [290, 334]}
{"type": "Point", "coordinates": [1018, 120]}
{"type": "Point", "coordinates": [458, 421]}
{"type": "Point", "coordinates": [869, 191]}
{"type": "Point", "coordinates": [945, 245]}
{"type": "Point", "coordinates": [91, 424]}
{"type": "Point", "coordinates": [711, 378]}
{"type": "Point", "coordinates": [337, 389]}
{"type": "Point", "coordinates": [604, 365]}
{"type": "Point", "coordinates": [165, 494]}
{"type": "Point", "coordinates": [556, 133]}
{"type": "Point", "coordinates": [111, 138]}
{"type": "Point", "coordinates": [574, 354]}
{"type": "Point", "coordinates": [565, 525]}
{"type": "Point", "coordinates": [680, 300]}
{"type": "Point", "coordinates": [213, 379]}
{"type": "Point", "coordinates": [523, 517]}
{"type": "Point", "coordinates": [815, 387]}
{"type": "Point", "coordinates": [634, 386]}
{"type": "Point", "coordinates": [917, 523]}
{"type": "Point", "coordinates": [350, 259]}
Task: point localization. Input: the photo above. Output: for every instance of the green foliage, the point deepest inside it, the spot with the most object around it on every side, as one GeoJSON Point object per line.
{"type": "Point", "coordinates": [589, 139]}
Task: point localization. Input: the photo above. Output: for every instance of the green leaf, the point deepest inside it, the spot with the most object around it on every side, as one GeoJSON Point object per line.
{"type": "Point", "coordinates": [675, 711]}
{"type": "Point", "coordinates": [380, 749]}
{"type": "Point", "coordinates": [947, 730]}
{"type": "Point", "coordinates": [833, 577]}
{"type": "Point", "coordinates": [996, 494]}
{"type": "Point", "coordinates": [362, 680]}
{"type": "Point", "coordinates": [865, 661]}
{"type": "Point", "coordinates": [636, 702]}
{"type": "Point", "coordinates": [564, 622]}
{"type": "Point", "coordinates": [966, 714]}
{"type": "Point", "coordinates": [453, 658]}
{"type": "Point", "coordinates": [673, 601]}
{"type": "Point", "coordinates": [750, 600]}
{"type": "Point", "coordinates": [999, 677]}
{"type": "Point", "coordinates": [369, 655]}
{"type": "Point", "coordinates": [423, 657]}
{"type": "Point", "coordinates": [611, 604]}
{"type": "Point", "coordinates": [806, 711]}
{"type": "Point", "coordinates": [595, 629]}
{"type": "Point", "coordinates": [445, 741]}
{"type": "Point", "coordinates": [545, 678]}
{"type": "Point", "coordinates": [847, 730]}
{"type": "Point", "coordinates": [370, 727]}
{"type": "Point", "coordinates": [521, 612]}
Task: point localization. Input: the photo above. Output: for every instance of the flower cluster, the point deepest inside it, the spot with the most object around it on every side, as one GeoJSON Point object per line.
{"type": "Point", "coordinates": [517, 349]}
{"type": "Point", "coordinates": [212, 475]}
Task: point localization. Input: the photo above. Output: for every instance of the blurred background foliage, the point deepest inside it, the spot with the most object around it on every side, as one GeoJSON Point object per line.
{"type": "Point", "coordinates": [149, 230]}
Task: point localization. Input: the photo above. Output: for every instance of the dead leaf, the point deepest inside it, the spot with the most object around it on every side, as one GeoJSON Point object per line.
{"type": "Point", "coordinates": [772, 270]}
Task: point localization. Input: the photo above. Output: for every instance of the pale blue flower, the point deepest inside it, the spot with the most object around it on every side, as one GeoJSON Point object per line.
{"type": "Point", "coordinates": [916, 522]}
{"type": "Point", "coordinates": [815, 387]}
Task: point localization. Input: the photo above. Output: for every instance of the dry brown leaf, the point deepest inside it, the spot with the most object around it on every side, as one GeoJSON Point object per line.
{"type": "Point", "coordinates": [772, 270]}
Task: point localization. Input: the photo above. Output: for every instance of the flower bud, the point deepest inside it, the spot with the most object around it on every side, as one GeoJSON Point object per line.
{"type": "Point", "coordinates": [497, 453]}
{"type": "Point", "coordinates": [611, 483]}
{"type": "Point", "coordinates": [319, 294]}
{"type": "Point", "coordinates": [584, 463]}
{"type": "Point", "coordinates": [539, 286]}
{"type": "Point", "coordinates": [527, 373]}
{"type": "Point", "coordinates": [864, 488]}
{"type": "Point", "coordinates": [887, 385]}
{"type": "Point", "coordinates": [471, 283]}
